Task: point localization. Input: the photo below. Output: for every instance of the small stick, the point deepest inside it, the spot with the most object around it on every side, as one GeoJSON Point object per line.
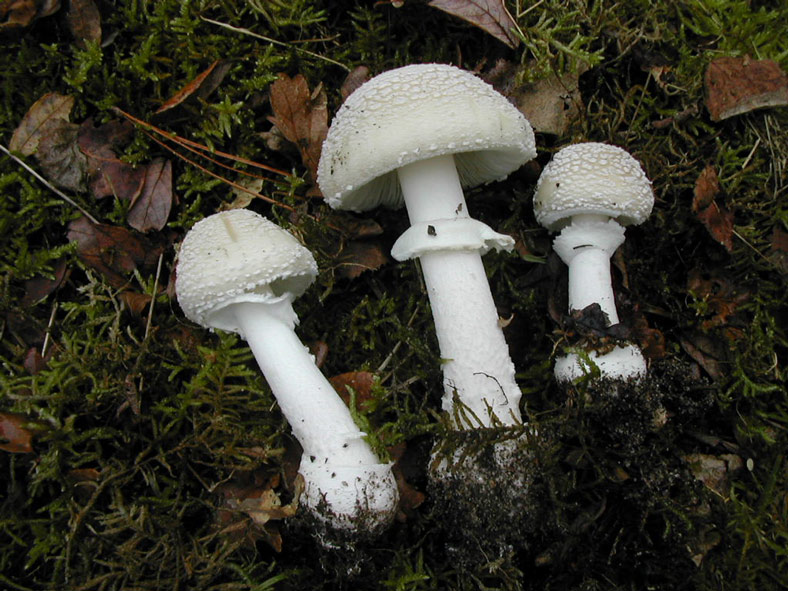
{"type": "Point", "coordinates": [49, 185]}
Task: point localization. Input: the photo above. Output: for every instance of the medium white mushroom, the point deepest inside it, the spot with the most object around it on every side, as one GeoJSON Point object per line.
{"type": "Point", "coordinates": [588, 192]}
{"type": "Point", "coordinates": [239, 272]}
{"type": "Point", "coordinates": [416, 136]}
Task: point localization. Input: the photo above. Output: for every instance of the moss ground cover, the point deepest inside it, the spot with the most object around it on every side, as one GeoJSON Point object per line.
{"type": "Point", "coordinates": [139, 451]}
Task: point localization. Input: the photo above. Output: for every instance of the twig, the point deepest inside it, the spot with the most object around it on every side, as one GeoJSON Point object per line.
{"type": "Point", "coordinates": [185, 142]}
{"type": "Point", "coordinates": [275, 42]}
{"type": "Point", "coordinates": [49, 185]}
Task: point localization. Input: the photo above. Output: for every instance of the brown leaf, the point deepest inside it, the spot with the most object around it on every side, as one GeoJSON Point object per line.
{"type": "Point", "coordinates": [14, 437]}
{"type": "Point", "coordinates": [707, 187]}
{"type": "Point", "coordinates": [34, 362]}
{"type": "Point", "coordinates": [489, 15]}
{"type": "Point", "coordinates": [152, 208]}
{"type": "Point", "coordinates": [707, 352]}
{"type": "Point", "coordinates": [16, 14]}
{"type": "Point", "coordinates": [135, 301]}
{"type": "Point", "coordinates": [410, 498]}
{"type": "Point", "coordinates": [714, 471]}
{"type": "Point", "coordinates": [360, 381]}
{"type": "Point", "coordinates": [38, 288]}
{"type": "Point", "coordinates": [356, 78]}
{"type": "Point", "coordinates": [113, 251]}
{"type": "Point", "coordinates": [59, 156]}
{"type": "Point", "coordinates": [108, 175]}
{"type": "Point", "coordinates": [301, 116]}
{"type": "Point", "coordinates": [353, 227]}
{"type": "Point", "coordinates": [717, 219]}
{"type": "Point", "coordinates": [719, 295]}
{"type": "Point", "coordinates": [28, 133]}
{"type": "Point", "coordinates": [359, 256]}
{"type": "Point", "coordinates": [319, 350]}
{"type": "Point", "coordinates": [779, 249]}
{"type": "Point", "coordinates": [203, 85]}
{"type": "Point", "coordinates": [84, 20]}
{"type": "Point", "coordinates": [736, 85]}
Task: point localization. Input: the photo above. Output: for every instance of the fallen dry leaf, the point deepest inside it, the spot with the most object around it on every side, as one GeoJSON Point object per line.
{"type": "Point", "coordinates": [60, 158]}
{"type": "Point", "coordinates": [710, 353]}
{"type": "Point", "coordinates": [714, 471]}
{"type": "Point", "coordinates": [84, 21]}
{"type": "Point", "coordinates": [37, 288]}
{"type": "Point", "coordinates": [301, 116]}
{"type": "Point", "coordinates": [14, 437]}
{"type": "Point", "coordinates": [199, 88]}
{"type": "Point", "coordinates": [111, 250]}
{"type": "Point", "coordinates": [147, 187]}
{"type": "Point", "coordinates": [720, 296]}
{"type": "Point", "coordinates": [17, 14]}
{"type": "Point", "coordinates": [717, 219]}
{"type": "Point", "coordinates": [360, 381]}
{"type": "Point", "coordinates": [257, 500]}
{"type": "Point", "coordinates": [50, 106]}
{"type": "Point", "coordinates": [135, 301]}
{"type": "Point", "coordinates": [358, 256]}
{"type": "Point", "coordinates": [736, 85]}
{"type": "Point", "coordinates": [34, 362]}
{"type": "Point", "coordinates": [353, 81]}
{"type": "Point", "coordinates": [151, 208]}
{"type": "Point", "coordinates": [489, 15]}
{"type": "Point", "coordinates": [778, 248]}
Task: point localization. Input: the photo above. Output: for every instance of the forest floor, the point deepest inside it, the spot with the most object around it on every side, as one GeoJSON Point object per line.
{"type": "Point", "coordinates": [141, 451]}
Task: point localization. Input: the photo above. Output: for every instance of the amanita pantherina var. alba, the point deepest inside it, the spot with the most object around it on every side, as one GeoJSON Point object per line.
{"type": "Point", "coordinates": [239, 272]}
{"type": "Point", "coordinates": [416, 136]}
{"type": "Point", "coordinates": [589, 192]}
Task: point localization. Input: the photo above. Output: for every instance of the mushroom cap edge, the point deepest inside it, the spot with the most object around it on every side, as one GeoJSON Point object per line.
{"type": "Point", "coordinates": [238, 256]}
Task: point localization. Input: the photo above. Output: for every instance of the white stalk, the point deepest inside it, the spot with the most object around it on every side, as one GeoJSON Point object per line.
{"type": "Point", "coordinates": [476, 363]}
{"type": "Point", "coordinates": [586, 246]}
{"type": "Point", "coordinates": [337, 464]}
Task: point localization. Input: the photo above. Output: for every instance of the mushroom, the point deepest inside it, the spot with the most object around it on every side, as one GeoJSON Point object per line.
{"type": "Point", "coordinates": [416, 136]}
{"type": "Point", "coordinates": [239, 272]}
{"type": "Point", "coordinates": [588, 192]}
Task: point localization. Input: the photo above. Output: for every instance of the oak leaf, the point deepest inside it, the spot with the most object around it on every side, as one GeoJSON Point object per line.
{"type": "Point", "coordinates": [489, 15]}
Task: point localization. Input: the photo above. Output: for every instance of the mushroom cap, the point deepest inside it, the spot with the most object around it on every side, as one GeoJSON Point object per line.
{"type": "Point", "coordinates": [413, 113]}
{"type": "Point", "coordinates": [592, 178]}
{"type": "Point", "coordinates": [238, 256]}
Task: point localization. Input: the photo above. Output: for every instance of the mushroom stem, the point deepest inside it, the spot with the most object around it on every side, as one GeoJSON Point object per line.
{"type": "Point", "coordinates": [476, 363]}
{"type": "Point", "coordinates": [586, 246]}
{"type": "Point", "coordinates": [338, 466]}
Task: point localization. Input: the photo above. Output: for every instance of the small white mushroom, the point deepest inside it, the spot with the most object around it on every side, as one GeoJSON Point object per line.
{"type": "Point", "coordinates": [416, 136]}
{"type": "Point", "coordinates": [588, 192]}
{"type": "Point", "coordinates": [239, 272]}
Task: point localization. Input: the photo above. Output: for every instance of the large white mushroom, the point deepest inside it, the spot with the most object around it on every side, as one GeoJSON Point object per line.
{"type": "Point", "coordinates": [588, 192]}
{"type": "Point", "coordinates": [415, 136]}
{"type": "Point", "coordinates": [239, 272]}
